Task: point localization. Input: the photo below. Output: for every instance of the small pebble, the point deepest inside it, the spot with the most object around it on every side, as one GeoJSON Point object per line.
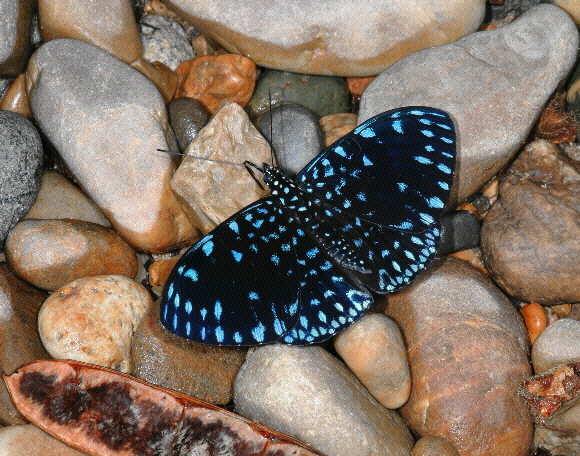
{"type": "Point", "coordinates": [216, 79]}
{"type": "Point", "coordinates": [557, 344]}
{"type": "Point", "coordinates": [21, 157]}
{"type": "Point", "coordinates": [374, 350]}
{"type": "Point", "coordinates": [307, 393]}
{"type": "Point", "coordinates": [15, 98]}
{"type": "Point", "coordinates": [58, 198]}
{"type": "Point", "coordinates": [164, 40]}
{"type": "Point", "coordinates": [322, 95]}
{"type": "Point", "coordinates": [51, 253]}
{"type": "Point", "coordinates": [535, 319]}
{"type": "Point", "coordinates": [211, 192]}
{"type": "Point", "coordinates": [433, 446]}
{"type": "Point", "coordinates": [459, 231]}
{"type": "Point", "coordinates": [335, 126]}
{"type": "Point", "coordinates": [93, 319]}
{"type": "Point", "coordinates": [187, 116]}
{"type": "Point", "coordinates": [30, 440]}
{"type": "Point", "coordinates": [203, 371]}
{"type": "Point", "coordinates": [19, 304]}
{"type": "Point", "coordinates": [295, 134]}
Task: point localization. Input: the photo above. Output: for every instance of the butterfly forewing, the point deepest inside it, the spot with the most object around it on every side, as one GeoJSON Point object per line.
{"type": "Point", "coordinates": [239, 284]}
{"type": "Point", "coordinates": [394, 170]}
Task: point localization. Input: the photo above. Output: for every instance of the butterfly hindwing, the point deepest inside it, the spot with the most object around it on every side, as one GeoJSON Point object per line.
{"type": "Point", "coordinates": [394, 170]}
{"type": "Point", "coordinates": [239, 284]}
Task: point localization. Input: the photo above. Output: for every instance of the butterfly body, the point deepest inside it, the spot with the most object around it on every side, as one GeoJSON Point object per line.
{"type": "Point", "coordinates": [303, 263]}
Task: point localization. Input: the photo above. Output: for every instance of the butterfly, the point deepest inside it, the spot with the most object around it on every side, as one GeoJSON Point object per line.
{"type": "Point", "coordinates": [303, 263]}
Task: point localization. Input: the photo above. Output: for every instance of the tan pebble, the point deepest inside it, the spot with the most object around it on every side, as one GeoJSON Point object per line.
{"type": "Point", "coordinates": [160, 270]}
{"type": "Point", "coordinates": [433, 446]}
{"type": "Point", "coordinates": [93, 320]}
{"type": "Point", "coordinates": [374, 350]}
{"type": "Point", "coordinates": [357, 85]}
{"type": "Point", "coordinates": [51, 253]}
{"type": "Point", "coordinates": [59, 198]}
{"type": "Point", "coordinates": [213, 80]}
{"type": "Point", "coordinates": [30, 440]}
{"type": "Point", "coordinates": [562, 310]}
{"type": "Point", "coordinates": [335, 126]}
{"type": "Point", "coordinates": [473, 257]}
{"type": "Point", "coordinates": [15, 98]}
{"type": "Point", "coordinates": [535, 319]}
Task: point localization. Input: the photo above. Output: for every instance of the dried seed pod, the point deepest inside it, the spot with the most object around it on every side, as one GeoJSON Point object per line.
{"type": "Point", "coordinates": [106, 413]}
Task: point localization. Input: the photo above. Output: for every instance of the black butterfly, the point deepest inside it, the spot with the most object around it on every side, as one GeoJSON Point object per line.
{"type": "Point", "coordinates": [301, 265]}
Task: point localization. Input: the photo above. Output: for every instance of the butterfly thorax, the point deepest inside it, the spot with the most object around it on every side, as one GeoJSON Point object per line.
{"type": "Point", "coordinates": [316, 220]}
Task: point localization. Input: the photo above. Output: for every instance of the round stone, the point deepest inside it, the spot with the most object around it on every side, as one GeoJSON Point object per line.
{"type": "Point", "coordinates": [187, 116]}
{"type": "Point", "coordinates": [556, 345]}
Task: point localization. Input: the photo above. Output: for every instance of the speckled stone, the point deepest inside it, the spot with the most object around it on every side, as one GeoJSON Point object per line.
{"type": "Point", "coordinates": [15, 29]}
{"type": "Point", "coordinates": [51, 253]}
{"type": "Point", "coordinates": [332, 38]}
{"type": "Point", "coordinates": [59, 198]}
{"type": "Point", "coordinates": [21, 158]}
{"type": "Point", "coordinates": [294, 133]}
{"type": "Point", "coordinates": [556, 345]}
{"type": "Point", "coordinates": [164, 40]}
{"type": "Point", "coordinates": [93, 320]}
{"type": "Point", "coordinates": [494, 111]}
{"type": "Point", "coordinates": [433, 446]}
{"type": "Point", "coordinates": [374, 349]}
{"type": "Point", "coordinates": [307, 393]}
{"type": "Point", "coordinates": [203, 371]}
{"type": "Point", "coordinates": [107, 131]}
{"type": "Point", "coordinates": [212, 192]}
{"type": "Point", "coordinates": [322, 95]}
{"type": "Point", "coordinates": [187, 116]}
{"type": "Point", "coordinates": [29, 440]}
{"type": "Point", "coordinates": [19, 341]}
{"type": "Point", "coordinates": [464, 339]}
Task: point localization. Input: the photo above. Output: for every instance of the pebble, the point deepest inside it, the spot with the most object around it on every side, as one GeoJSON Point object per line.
{"type": "Point", "coordinates": [307, 393]}
{"type": "Point", "coordinates": [29, 440]}
{"type": "Point", "coordinates": [164, 40]}
{"type": "Point", "coordinates": [535, 318]}
{"type": "Point", "coordinates": [556, 345]}
{"type": "Point", "coordinates": [211, 192]}
{"type": "Point", "coordinates": [338, 38]}
{"type": "Point", "coordinates": [19, 304]}
{"type": "Point", "coordinates": [487, 82]}
{"type": "Point", "coordinates": [433, 446]}
{"type": "Point", "coordinates": [529, 239]}
{"type": "Point", "coordinates": [322, 95]}
{"type": "Point", "coordinates": [373, 348]}
{"type": "Point", "coordinates": [15, 98]}
{"type": "Point", "coordinates": [335, 126]}
{"type": "Point", "coordinates": [93, 319]}
{"type": "Point", "coordinates": [562, 439]}
{"type": "Point", "coordinates": [295, 134]}
{"type": "Point", "coordinates": [467, 348]}
{"type": "Point", "coordinates": [216, 79]}
{"type": "Point", "coordinates": [107, 130]}
{"type": "Point", "coordinates": [51, 253]}
{"type": "Point", "coordinates": [203, 371]}
{"type": "Point", "coordinates": [459, 231]}
{"type": "Point", "coordinates": [15, 33]}
{"type": "Point", "coordinates": [187, 116]}
{"type": "Point", "coordinates": [21, 157]}
{"type": "Point", "coordinates": [59, 198]}
{"type": "Point", "coordinates": [109, 25]}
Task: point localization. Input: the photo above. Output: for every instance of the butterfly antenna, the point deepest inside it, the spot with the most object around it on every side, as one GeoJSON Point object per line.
{"type": "Point", "coordinates": [249, 165]}
{"type": "Point", "coordinates": [271, 127]}
{"type": "Point", "coordinates": [202, 158]}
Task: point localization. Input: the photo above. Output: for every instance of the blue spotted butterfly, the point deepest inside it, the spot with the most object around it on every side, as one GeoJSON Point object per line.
{"type": "Point", "coordinates": [302, 264]}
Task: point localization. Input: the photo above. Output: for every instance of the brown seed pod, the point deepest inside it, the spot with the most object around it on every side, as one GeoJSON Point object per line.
{"type": "Point", "coordinates": [106, 413]}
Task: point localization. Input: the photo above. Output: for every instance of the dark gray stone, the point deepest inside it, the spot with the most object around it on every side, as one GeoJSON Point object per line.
{"type": "Point", "coordinates": [295, 134]}
{"type": "Point", "coordinates": [21, 158]}
{"type": "Point", "coordinates": [15, 26]}
{"type": "Point", "coordinates": [323, 95]}
{"type": "Point", "coordinates": [187, 116]}
{"type": "Point", "coordinates": [459, 231]}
